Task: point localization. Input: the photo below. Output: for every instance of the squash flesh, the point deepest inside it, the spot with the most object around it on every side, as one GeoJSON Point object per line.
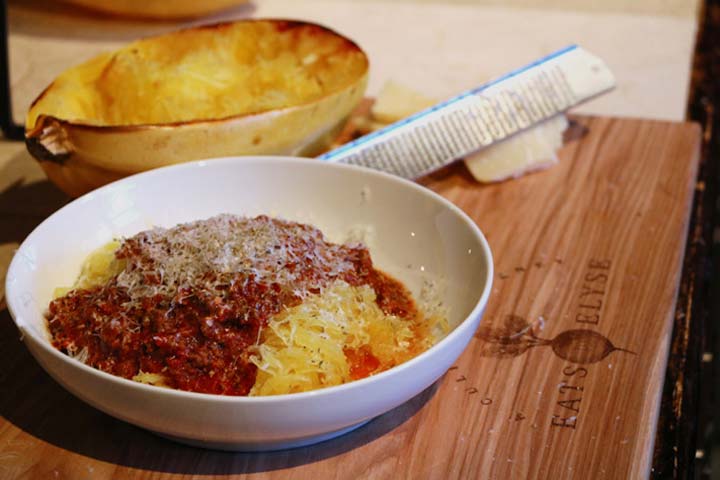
{"type": "Point", "coordinates": [217, 72]}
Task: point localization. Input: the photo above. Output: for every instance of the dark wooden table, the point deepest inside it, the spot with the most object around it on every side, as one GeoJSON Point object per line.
{"type": "Point", "coordinates": [687, 434]}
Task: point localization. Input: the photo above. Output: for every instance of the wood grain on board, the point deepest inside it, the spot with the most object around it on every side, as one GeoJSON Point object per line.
{"type": "Point", "coordinates": [563, 379]}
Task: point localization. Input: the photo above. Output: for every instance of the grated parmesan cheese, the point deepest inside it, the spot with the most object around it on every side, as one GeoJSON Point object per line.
{"type": "Point", "coordinates": [205, 254]}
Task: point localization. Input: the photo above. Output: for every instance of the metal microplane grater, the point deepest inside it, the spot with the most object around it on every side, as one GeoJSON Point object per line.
{"type": "Point", "coordinates": [473, 120]}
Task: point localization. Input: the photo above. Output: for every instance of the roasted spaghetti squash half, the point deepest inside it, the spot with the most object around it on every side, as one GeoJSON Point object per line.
{"type": "Point", "coordinates": [251, 87]}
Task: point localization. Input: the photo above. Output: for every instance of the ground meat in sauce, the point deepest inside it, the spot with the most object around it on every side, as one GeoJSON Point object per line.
{"type": "Point", "coordinates": [197, 337]}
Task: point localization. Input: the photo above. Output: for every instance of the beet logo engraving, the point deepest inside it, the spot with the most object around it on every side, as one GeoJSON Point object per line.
{"type": "Point", "coordinates": [516, 336]}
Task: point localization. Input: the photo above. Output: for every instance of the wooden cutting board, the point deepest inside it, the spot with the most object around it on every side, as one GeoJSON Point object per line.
{"type": "Point", "coordinates": [563, 379]}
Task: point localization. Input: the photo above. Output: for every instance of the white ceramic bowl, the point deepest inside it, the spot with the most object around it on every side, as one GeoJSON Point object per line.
{"type": "Point", "coordinates": [415, 235]}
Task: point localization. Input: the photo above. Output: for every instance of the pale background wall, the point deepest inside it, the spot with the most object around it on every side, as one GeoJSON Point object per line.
{"type": "Point", "coordinates": [437, 47]}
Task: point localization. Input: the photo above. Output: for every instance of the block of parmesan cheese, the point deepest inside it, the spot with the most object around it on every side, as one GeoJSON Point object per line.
{"type": "Point", "coordinates": [530, 150]}
{"type": "Point", "coordinates": [395, 102]}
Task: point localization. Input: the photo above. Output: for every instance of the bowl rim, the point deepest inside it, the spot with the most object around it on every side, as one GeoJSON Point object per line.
{"type": "Point", "coordinates": [458, 331]}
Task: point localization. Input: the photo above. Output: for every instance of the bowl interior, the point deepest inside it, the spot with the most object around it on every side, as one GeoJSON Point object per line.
{"type": "Point", "coordinates": [412, 233]}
